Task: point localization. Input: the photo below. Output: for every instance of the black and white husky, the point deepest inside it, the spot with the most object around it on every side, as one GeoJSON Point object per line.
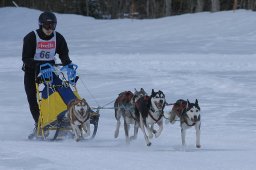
{"type": "Point", "coordinates": [149, 111]}
{"type": "Point", "coordinates": [124, 107]}
{"type": "Point", "coordinates": [189, 115]}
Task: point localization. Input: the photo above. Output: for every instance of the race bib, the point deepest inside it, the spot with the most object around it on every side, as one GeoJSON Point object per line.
{"type": "Point", "coordinates": [45, 49]}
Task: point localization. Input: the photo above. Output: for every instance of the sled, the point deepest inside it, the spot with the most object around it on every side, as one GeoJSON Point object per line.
{"type": "Point", "coordinates": [56, 87]}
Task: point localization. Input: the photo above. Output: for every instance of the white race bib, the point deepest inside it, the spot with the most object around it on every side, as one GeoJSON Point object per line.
{"type": "Point", "coordinates": [45, 49]}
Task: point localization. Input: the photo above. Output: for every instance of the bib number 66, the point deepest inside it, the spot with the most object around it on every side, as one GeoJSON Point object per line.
{"type": "Point", "coordinates": [45, 54]}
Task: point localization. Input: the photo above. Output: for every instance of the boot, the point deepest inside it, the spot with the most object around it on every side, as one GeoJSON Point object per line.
{"type": "Point", "coordinates": [34, 133]}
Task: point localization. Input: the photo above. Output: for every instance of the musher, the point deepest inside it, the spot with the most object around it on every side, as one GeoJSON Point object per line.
{"type": "Point", "coordinates": [40, 47]}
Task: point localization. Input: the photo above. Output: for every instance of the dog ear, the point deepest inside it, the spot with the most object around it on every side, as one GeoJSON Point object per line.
{"type": "Point", "coordinates": [188, 103]}
{"type": "Point", "coordinates": [83, 100]}
{"type": "Point", "coordinates": [152, 91]}
{"type": "Point", "coordinates": [135, 89]}
{"type": "Point", "coordinates": [71, 103]}
{"type": "Point", "coordinates": [162, 94]}
{"type": "Point", "coordinates": [197, 105]}
{"type": "Point", "coordinates": [196, 102]}
{"type": "Point", "coordinates": [142, 90]}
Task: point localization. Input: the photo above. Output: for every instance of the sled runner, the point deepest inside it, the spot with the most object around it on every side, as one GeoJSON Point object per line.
{"type": "Point", "coordinates": [56, 87]}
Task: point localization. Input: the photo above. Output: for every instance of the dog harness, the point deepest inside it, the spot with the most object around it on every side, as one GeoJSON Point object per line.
{"type": "Point", "coordinates": [153, 110]}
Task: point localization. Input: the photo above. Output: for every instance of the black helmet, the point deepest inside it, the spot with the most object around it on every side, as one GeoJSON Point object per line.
{"type": "Point", "coordinates": [47, 20]}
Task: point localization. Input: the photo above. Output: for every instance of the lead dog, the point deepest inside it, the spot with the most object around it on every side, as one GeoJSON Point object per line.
{"type": "Point", "coordinates": [149, 111]}
{"type": "Point", "coordinates": [189, 115]}
{"type": "Point", "coordinates": [79, 117]}
{"type": "Point", "coordinates": [124, 107]}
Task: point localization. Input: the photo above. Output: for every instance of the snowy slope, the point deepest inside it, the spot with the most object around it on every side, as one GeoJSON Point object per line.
{"type": "Point", "coordinates": [204, 56]}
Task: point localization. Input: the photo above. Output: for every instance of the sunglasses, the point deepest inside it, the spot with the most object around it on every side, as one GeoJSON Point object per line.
{"type": "Point", "coordinates": [49, 25]}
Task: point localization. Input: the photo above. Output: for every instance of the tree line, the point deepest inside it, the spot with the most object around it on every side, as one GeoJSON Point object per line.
{"type": "Point", "coordinates": [112, 9]}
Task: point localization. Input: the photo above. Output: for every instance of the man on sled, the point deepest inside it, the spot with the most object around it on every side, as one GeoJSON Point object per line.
{"type": "Point", "coordinates": [40, 47]}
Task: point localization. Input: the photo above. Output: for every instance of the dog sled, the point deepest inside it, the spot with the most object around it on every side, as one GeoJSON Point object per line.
{"type": "Point", "coordinates": [56, 88]}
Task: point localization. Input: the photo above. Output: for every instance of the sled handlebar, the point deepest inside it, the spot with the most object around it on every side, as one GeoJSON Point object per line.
{"type": "Point", "coordinates": [46, 72]}
{"type": "Point", "coordinates": [71, 72]}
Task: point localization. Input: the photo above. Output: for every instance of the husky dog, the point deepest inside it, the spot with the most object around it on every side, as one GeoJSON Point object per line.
{"type": "Point", "coordinates": [124, 107]}
{"type": "Point", "coordinates": [149, 111]}
{"type": "Point", "coordinates": [79, 117]}
{"type": "Point", "coordinates": [189, 115]}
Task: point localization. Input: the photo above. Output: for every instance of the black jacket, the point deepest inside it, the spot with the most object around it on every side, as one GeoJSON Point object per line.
{"type": "Point", "coordinates": [29, 49]}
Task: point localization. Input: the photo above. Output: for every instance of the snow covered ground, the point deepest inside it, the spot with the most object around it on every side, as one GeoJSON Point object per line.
{"type": "Point", "coordinates": [207, 56]}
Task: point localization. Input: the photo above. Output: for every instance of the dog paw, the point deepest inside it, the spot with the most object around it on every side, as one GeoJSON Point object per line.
{"type": "Point", "coordinates": [149, 144]}
{"type": "Point", "coordinates": [198, 146]}
{"type": "Point", "coordinates": [132, 138]}
{"type": "Point", "coordinates": [127, 141]}
{"type": "Point", "coordinates": [157, 135]}
{"type": "Point", "coordinates": [87, 134]}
